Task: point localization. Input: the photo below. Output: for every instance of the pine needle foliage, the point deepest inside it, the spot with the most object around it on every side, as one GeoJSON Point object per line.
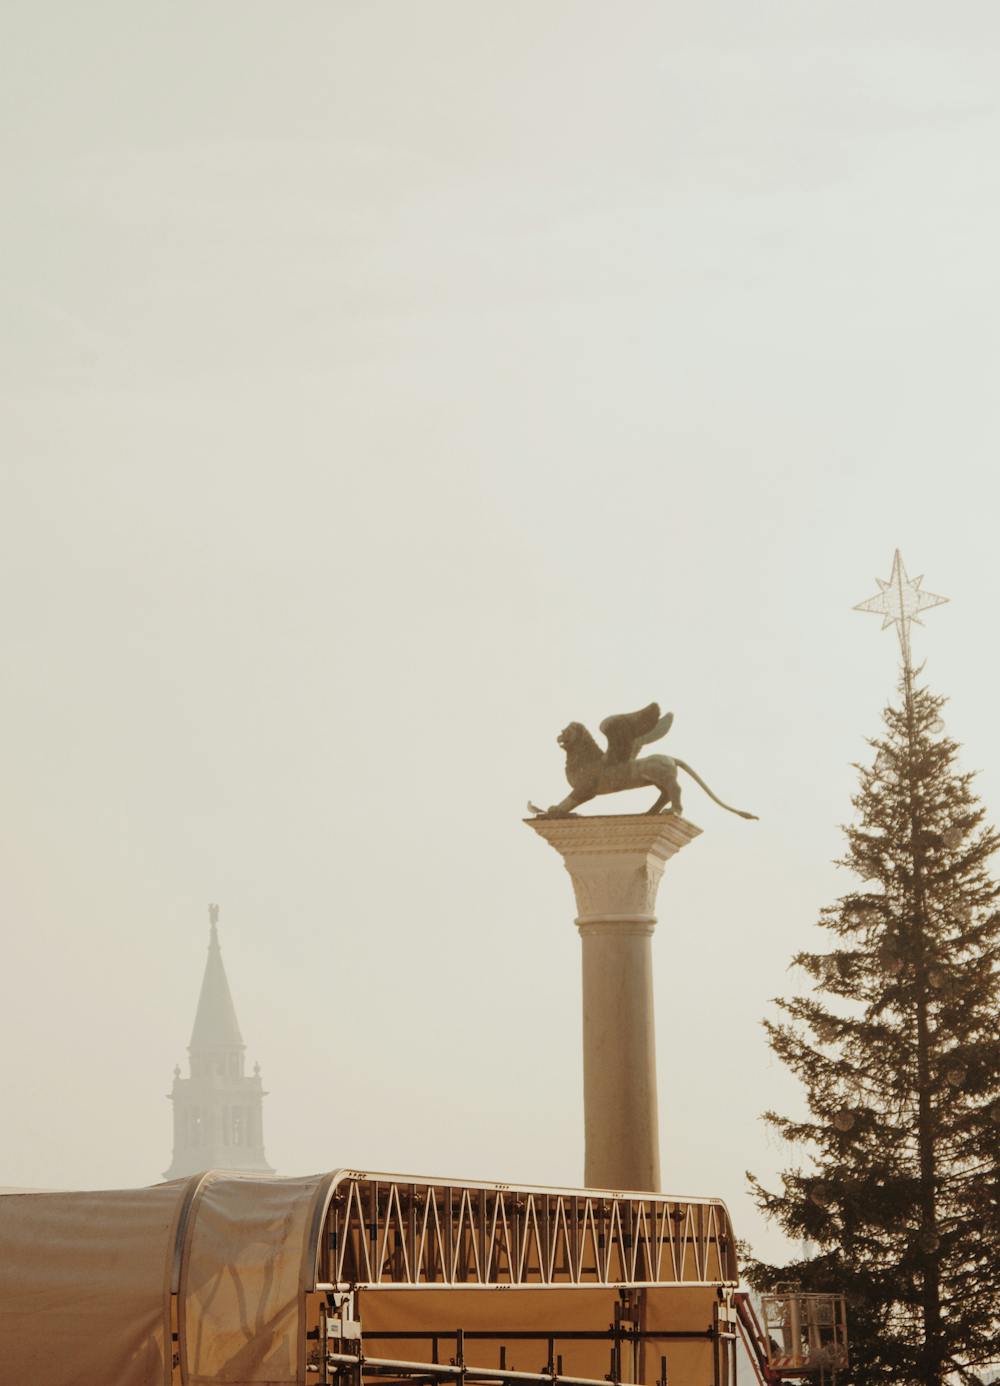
{"type": "Point", "coordinates": [898, 1049]}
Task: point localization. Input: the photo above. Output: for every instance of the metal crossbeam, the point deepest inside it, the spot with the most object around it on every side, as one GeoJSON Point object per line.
{"type": "Point", "coordinates": [387, 1366]}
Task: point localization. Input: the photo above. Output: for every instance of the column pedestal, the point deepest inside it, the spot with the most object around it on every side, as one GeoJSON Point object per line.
{"type": "Point", "coordinates": [615, 864]}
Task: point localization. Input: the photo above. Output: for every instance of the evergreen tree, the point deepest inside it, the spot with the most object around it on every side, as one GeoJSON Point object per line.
{"type": "Point", "coordinates": [897, 1047]}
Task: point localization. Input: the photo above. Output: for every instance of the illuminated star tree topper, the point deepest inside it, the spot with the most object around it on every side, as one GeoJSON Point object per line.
{"type": "Point", "coordinates": [900, 601]}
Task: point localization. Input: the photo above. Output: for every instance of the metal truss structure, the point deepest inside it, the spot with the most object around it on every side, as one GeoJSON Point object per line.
{"type": "Point", "coordinates": [381, 1231]}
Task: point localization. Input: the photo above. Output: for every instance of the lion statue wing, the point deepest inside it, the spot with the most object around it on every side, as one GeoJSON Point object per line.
{"type": "Point", "coordinates": [628, 732]}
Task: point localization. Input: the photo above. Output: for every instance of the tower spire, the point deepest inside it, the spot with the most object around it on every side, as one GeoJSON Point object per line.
{"type": "Point", "coordinates": [215, 1023]}
{"type": "Point", "coordinates": [218, 1118]}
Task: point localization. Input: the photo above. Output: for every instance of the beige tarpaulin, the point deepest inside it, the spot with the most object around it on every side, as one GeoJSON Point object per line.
{"type": "Point", "coordinates": [541, 1310]}
{"type": "Point", "coordinates": [85, 1286]}
{"type": "Point", "coordinates": [86, 1281]}
{"type": "Point", "coordinates": [241, 1289]}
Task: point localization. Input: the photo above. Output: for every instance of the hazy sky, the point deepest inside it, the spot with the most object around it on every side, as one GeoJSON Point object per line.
{"type": "Point", "coordinates": [387, 384]}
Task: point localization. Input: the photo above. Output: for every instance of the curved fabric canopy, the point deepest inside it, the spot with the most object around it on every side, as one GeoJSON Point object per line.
{"type": "Point", "coordinates": [87, 1280]}
{"type": "Point", "coordinates": [85, 1286]}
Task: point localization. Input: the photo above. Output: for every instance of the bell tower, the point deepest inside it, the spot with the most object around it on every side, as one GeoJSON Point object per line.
{"type": "Point", "coordinates": [218, 1109]}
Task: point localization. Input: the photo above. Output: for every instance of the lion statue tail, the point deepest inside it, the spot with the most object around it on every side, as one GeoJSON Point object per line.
{"type": "Point", "coordinates": [741, 813]}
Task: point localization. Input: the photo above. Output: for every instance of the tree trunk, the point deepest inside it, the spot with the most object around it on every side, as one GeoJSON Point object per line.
{"type": "Point", "coordinates": [931, 1284]}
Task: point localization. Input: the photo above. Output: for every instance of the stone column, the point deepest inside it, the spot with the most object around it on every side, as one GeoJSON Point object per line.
{"type": "Point", "coordinates": [615, 864]}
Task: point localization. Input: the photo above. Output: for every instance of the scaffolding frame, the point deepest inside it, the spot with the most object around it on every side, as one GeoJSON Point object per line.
{"type": "Point", "coordinates": [351, 1368]}
{"type": "Point", "coordinates": [382, 1232]}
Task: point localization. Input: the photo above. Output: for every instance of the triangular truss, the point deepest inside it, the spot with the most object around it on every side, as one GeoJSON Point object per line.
{"type": "Point", "coordinates": [386, 1232]}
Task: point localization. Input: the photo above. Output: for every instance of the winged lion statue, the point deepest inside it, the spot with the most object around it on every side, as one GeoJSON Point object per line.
{"type": "Point", "coordinates": [591, 771]}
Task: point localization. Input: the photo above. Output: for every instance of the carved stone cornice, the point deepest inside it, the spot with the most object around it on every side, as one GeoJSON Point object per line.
{"type": "Point", "coordinates": [663, 833]}
{"type": "Point", "coordinates": [615, 863]}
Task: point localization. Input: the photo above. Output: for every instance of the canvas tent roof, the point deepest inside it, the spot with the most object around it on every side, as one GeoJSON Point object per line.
{"type": "Point", "coordinates": [89, 1281]}
{"type": "Point", "coordinates": [86, 1281]}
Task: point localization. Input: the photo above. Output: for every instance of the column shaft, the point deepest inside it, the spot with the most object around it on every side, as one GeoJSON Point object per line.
{"type": "Point", "coordinates": [621, 1126]}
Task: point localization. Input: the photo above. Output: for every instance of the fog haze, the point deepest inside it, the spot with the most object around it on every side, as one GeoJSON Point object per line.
{"type": "Point", "coordinates": [386, 385]}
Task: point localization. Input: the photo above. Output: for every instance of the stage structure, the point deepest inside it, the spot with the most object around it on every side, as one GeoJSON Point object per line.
{"type": "Point", "coordinates": [354, 1277]}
